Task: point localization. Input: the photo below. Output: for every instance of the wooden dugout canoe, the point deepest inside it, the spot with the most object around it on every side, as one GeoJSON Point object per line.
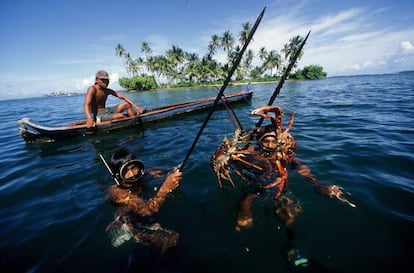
{"type": "Point", "coordinates": [32, 131]}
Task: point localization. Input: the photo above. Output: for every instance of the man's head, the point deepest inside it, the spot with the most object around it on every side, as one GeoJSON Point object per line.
{"type": "Point", "coordinates": [268, 142]}
{"type": "Point", "coordinates": [102, 75]}
{"type": "Point", "coordinates": [127, 168]}
{"type": "Point", "coordinates": [267, 138]}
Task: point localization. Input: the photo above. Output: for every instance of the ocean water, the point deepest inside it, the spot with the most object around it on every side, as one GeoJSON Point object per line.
{"type": "Point", "coordinates": [356, 132]}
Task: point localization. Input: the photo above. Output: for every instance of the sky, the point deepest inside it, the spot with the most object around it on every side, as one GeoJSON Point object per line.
{"type": "Point", "coordinates": [57, 46]}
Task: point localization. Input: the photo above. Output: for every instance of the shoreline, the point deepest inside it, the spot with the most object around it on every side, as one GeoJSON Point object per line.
{"type": "Point", "coordinates": [205, 85]}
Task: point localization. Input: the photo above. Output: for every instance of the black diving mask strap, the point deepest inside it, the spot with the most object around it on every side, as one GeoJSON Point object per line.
{"type": "Point", "coordinates": [126, 165]}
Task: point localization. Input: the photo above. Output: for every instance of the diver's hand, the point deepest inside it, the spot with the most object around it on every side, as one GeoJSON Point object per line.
{"type": "Point", "coordinates": [334, 191]}
{"type": "Point", "coordinates": [172, 181]}
{"type": "Point", "coordinates": [178, 167]}
{"type": "Point", "coordinates": [119, 232]}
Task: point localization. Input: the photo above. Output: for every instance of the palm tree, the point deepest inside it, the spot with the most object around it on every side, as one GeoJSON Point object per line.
{"type": "Point", "coordinates": [133, 67]}
{"type": "Point", "coordinates": [127, 62]}
{"type": "Point", "coordinates": [271, 61]}
{"type": "Point", "coordinates": [262, 53]}
{"type": "Point", "coordinates": [141, 65]}
{"type": "Point", "coordinates": [192, 70]}
{"type": "Point", "coordinates": [290, 50]}
{"type": "Point", "coordinates": [286, 50]}
{"type": "Point", "coordinates": [213, 45]}
{"type": "Point", "coordinates": [124, 55]}
{"type": "Point", "coordinates": [292, 47]}
{"type": "Point", "coordinates": [146, 49]}
{"type": "Point", "coordinates": [210, 70]}
{"type": "Point", "coordinates": [227, 42]}
{"type": "Point", "coordinates": [176, 57]}
{"type": "Point", "coordinates": [160, 65]}
{"type": "Point", "coordinates": [244, 34]}
{"type": "Point", "coordinates": [247, 61]}
{"type": "Point", "coordinates": [119, 50]}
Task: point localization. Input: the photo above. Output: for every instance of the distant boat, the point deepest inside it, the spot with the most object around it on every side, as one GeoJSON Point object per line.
{"type": "Point", "coordinates": [32, 131]}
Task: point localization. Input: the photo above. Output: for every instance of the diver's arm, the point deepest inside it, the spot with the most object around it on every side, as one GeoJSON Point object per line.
{"type": "Point", "coordinates": [171, 183]}
{"type": "Point", "coordinates": [128, 200]}
{"type": "Point", "coordinates": [122, 197]}
{"type": "Point", "coordinates": [321, 188]}
{"type": "Point", "coordinates": [137, 204]}
{"type": "Point", "coordinates": [304, 170]}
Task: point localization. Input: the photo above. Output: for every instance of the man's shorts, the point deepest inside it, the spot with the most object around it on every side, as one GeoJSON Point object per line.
{"type": "Point", "coordinates": [106, 113]}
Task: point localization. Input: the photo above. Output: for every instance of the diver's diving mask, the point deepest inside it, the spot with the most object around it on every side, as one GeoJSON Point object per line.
{"type": "Point", "coordinates": [264, 137]}
{"type": "Point", "coordinates": [134, 167]}
{"type": "Point", "coordinates": [125, 168]}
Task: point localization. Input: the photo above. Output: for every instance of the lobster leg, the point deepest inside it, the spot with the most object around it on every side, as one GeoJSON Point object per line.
{"type": "Point", "coordinates": [280, 182]}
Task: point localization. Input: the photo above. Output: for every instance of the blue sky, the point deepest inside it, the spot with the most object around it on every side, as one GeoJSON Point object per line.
{"type": "Point", "coordinates": [51, 46]}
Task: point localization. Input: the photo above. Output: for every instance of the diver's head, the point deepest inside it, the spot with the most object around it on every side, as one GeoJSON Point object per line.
{"type": "Point", "coordinates": [127, 168]}
{"type": "Point", "coordinates": [267, 138]}
{"type": "Point", "coordinates": [268, 142]}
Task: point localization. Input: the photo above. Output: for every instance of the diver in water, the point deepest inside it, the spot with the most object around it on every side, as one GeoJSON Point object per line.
{"type": "Point", "coordinates": [134, 217]}
{"type": "Point", "coordinates": [268, 180]}
{"type": "Point", "coordinates": [268, 177]}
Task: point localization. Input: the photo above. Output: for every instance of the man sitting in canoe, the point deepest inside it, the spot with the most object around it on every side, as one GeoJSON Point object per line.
{"type": "Point", "coordinates": [96, 96]}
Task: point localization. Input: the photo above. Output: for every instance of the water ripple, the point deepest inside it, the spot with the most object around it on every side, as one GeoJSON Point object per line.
{"type": "Point", "coordinates": [355, 132]}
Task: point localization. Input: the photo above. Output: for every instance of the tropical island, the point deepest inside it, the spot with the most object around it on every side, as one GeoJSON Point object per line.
{"type": "Point", "coordinates": [178, 68]}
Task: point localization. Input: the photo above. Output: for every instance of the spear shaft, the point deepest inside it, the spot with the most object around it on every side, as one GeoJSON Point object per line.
{"type": "Point", "coordinates": [226, 82]}
{"type": "Point", "coordinates": [284, 77]}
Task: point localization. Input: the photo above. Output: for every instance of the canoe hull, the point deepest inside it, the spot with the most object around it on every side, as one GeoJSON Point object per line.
{"type": "Point", "coordinates": [32, 131]}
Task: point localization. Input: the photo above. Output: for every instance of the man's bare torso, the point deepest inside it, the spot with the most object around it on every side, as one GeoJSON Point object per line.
{"type": "Point", "coordinates": [99, 98]}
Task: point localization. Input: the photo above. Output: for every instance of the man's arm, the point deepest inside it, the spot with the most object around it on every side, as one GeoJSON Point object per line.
{"type": "Point", "coordinates": [321, 188]}
{"type": "Point", "coordinates": [138, 205]}
{"type": "Point", "coordinates": [171, 183]}
{"type": "Point", "coordinates": [128, 100]}
{"type": "Point", "coordinates": [87, 105]}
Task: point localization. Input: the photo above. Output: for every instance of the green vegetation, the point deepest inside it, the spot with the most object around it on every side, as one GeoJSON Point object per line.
{"type": "Point", "coordinates": [311, 72]}
{"type": "Point", "coordinates": [178, 68]}
{"type": "Point", "coordinates": [138, 83]}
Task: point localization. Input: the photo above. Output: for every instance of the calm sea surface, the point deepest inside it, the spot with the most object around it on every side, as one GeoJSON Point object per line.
{"type": "Point", "coordinates": [355, 132]}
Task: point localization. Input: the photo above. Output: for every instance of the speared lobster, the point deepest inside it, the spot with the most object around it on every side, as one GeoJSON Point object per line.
{"type": "Point", "coordinates": [286, 143]}
{"type": "Point", "coordinates": [237, 148]}
{"type": "Point", "coordinates": [229, 150]}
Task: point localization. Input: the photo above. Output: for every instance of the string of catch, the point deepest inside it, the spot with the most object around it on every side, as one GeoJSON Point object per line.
{"type": "Point", "coordinates": [234, 149]}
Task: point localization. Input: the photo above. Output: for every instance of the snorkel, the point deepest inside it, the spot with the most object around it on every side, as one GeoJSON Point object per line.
{"type": "Point", "coordinates": [109, 170]}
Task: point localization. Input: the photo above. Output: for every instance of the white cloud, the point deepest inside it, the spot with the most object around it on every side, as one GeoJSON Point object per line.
{"type": "Point", "coordinates": [399, 60]}
{"type": "Point", "coordinates": [86, 82]}
{"type": "Point", "coordinates": [357, 46]}
{"type": "Point", "coordinates": [345, 42]}
{"type": "Point", "coordinates": [407, 47]}
{"type": "Point", "coordinates": [339, 23]}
